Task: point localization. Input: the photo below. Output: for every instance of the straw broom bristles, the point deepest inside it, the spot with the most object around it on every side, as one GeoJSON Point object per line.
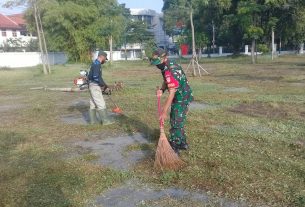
{"type": "Point", "coordinates": [166, 158]}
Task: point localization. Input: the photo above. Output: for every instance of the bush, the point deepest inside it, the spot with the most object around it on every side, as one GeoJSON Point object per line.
{"type": "Point", "coordinates": [262, 48]}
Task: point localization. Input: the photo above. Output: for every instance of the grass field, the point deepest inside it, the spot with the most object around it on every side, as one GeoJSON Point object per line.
{"type": "Point", "coordinates": [247, 144]}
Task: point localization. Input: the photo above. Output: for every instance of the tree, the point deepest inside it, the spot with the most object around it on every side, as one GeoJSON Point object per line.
{"type": "Point", "coordinates": [137, 32]}
{"type": "Point", "coordinates": [83, 29]}
{"type": "Point", "coordinates": [34, 6]}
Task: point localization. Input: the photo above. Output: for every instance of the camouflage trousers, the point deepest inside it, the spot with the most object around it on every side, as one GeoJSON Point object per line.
{"type": "Point", "coordinates": [177, 120]}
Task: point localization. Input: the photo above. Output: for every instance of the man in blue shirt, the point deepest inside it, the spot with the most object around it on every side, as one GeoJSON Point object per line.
{"type": "Point", "coordinates": [96, 83]}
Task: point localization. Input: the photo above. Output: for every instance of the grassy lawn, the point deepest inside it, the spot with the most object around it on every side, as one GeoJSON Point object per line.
{"type": "Point", "coordinates": [248, 144]}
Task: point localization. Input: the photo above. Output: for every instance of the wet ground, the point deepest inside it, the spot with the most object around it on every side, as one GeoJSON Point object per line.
{"type": "Point", "coordinates": [135, 193]}
{"type": "Point", "coordinates": [113, 152]}
{"type": "Point", "coordinates": [123, 153]}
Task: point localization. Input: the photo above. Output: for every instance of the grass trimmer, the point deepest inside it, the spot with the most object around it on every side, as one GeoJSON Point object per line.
{"type": "Point", "coordinates": [165, 158]}
{"type": "Point", "coordinates": [116, 109]}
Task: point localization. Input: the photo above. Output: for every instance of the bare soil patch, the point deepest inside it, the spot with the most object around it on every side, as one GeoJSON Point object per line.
{"type": "Point", "coordinates": [112, 152]}
{"type": "Point", "coordinates": [135, 193]}
{"type": "Point", "coordinates": [259, 109]}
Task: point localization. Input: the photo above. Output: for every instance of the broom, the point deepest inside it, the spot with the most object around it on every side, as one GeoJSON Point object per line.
{"type": "Point", "coordinates": [165, 158]}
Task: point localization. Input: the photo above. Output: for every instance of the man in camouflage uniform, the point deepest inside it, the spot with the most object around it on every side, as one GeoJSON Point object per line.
{"type": "Point", "coordinates": [179, 99]}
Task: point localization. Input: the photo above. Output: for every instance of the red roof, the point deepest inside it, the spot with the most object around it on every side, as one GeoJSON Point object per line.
{"type": "Point", "coordinates": [18, 18]}
{"type": "Point", "coordinates": [8, 23]}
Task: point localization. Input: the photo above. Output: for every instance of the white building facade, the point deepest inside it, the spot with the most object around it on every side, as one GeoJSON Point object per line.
{"type": "Point", "coordinates": [13, 31]}
{"type": "Point", "coordinates": [154, 22]}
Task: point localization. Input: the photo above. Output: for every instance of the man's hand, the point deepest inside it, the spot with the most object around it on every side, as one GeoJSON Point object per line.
{"type": "Point", "coordinates": [106, 90]}
{"type": "Point", "coordinates": [159, 92]}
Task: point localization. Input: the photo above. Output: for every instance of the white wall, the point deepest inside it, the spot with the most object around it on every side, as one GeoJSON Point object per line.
{"type": "Point", "coordinates": [119, 55]}
{"type": "Point", "coordinates": [29, 59]}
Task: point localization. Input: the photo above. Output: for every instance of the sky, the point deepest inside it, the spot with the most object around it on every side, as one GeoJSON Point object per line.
{"type": "Point", "coordinates": [146, 4]}
{"type": "Point", "coordinates": [7, 11]}
{"type": "Point", "coordinates": [136, 4]}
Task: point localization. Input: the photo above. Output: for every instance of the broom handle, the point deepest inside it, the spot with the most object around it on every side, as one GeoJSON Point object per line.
{"type": "Point", "coordinates": [161, 122]}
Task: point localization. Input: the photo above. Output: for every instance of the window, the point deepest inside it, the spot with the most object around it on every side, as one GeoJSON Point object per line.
{"type": "Point", "coordinates": [3, 33]}
{"type": "Point", "coordinates": [14, 33]}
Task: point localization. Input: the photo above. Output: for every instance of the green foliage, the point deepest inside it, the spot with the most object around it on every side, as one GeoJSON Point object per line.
{"type": "Point", "coordinates": [79, 27]}
{"type": "Point", "coordinates": [201, 39]}
{"type": "Point", "coordinates": [235, 20]}
{"type": "Point", "coordinates": [32, 45]}
{"type": "Point", "coordinates": [262, 48]}
{"type": "Point", "coordinates": [149, 47]}
{"type": "Point", "coordinates": [136, 32]}
{"type": "Point", "coordinates": [254, 32]}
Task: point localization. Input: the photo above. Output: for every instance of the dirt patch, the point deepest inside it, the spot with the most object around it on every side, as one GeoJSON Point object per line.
{"type": "Point", "coordinates": [79, 113]}
{"type": "Point", "coordinates": [237, 90]}
{"type": "Point", "coordinates": [10, 97]}
{"type": "Point", "coordinates": [199, 106]}
{"type": "Point", "coordinates": [247, 128]}
{"type": "Point", "coordinates": [259, 109]}
{"type": "Point", "coordinates": [5, 108]}
{"type": "Point", "coordinates": [298, 84]}
{"type": "Point", "coordinates": [249, 77]}
{"type": "Point", "coordinates": [299, 144]}
{"type": "Point", "coordinates": [111, 152]}
{"type": "Point", "coordinates": [134, 193]}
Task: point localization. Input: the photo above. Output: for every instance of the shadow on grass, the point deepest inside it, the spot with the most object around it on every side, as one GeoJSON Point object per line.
{"type": "Point", "coordinates": [132, 125]}
{"type": "Point", "coordinates": [82, 107]}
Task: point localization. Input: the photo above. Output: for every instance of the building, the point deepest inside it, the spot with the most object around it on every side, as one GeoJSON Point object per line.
{"type": "Point", "coordinates": [154, 22]}
{"type": "Point", "coordinates": [13, 32]}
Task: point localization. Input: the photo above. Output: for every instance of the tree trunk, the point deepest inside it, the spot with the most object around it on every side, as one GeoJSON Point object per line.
{"type": "Point", "coordinates": [39, 38]}
{"type": "Point", "coordinates": [253, 51]}
{"type": "Point", "coordinates": [125, 50]}
{"type": "Point", "coordinates": [213, 40]}
{"type": "Point", "coordinates": [44, 44]}
{"type": "Point", "coordinates": [272, 44]}
{"type": "Point", "coordinates": [110, 44]}
{"type": "Point", "coordinates": [301, 50]}
{"type": "Point", "coordinates": [193, 43]}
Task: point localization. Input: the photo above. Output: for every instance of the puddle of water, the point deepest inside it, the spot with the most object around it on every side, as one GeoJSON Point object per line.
{"type": "Point", "coordinates": [79, 119]}
{"type": "Point", "coordinates": [237, 90]}
{"type": "Point", "coordinates": [111, 152]}
{"type": "Point", "coordinates": [135, 193]}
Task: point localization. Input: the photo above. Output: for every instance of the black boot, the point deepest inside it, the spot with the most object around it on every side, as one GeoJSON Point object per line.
{"type": "Point", "coordinates": [184, 146]}
{"type": "Point", "coordinates": [175, 147]}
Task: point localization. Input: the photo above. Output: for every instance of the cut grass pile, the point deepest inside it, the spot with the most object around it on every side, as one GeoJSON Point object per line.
{"type": "Point", "coordinates": [248, 145]}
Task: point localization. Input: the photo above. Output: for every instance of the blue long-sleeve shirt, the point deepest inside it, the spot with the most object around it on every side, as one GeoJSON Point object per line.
{"type": "Point", "coordinates": [95, 74]}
